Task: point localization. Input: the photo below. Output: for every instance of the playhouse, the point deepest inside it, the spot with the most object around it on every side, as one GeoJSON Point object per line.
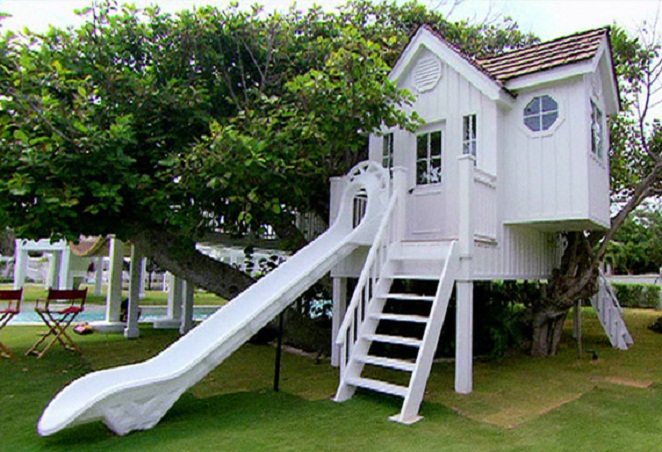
{"type": "Point", "coordinates": [514, 150]}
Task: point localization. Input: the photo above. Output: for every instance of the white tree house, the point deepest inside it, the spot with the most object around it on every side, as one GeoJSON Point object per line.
{"type": "Point", "coordinates": [513, 151]}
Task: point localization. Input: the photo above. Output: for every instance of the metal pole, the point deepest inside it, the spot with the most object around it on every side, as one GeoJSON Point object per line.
{"type": "Point", "coordinates": [279, 350]}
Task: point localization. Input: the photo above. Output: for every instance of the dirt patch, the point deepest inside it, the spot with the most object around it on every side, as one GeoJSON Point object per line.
{"type": "Point", "coordinates": [513, 418]}
{"type": "Point", "coordinates": [643, 384]}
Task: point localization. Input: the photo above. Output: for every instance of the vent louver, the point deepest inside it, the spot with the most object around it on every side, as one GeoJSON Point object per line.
{"type": "Point", "coordinates": [427, 73]}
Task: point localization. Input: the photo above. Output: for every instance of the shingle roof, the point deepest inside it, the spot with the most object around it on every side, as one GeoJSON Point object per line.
{"type": "Point", "coordinates": [547, 55]}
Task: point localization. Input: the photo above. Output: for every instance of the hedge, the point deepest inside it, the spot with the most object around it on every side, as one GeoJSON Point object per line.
{"type": "Point", "coordinates": [638, 295]}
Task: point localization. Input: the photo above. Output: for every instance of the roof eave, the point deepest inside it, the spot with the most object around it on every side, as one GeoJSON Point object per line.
{"type": "Point", "coordinates": [550, 75]}
{"type": "Point", "coordinates": [424, 37]}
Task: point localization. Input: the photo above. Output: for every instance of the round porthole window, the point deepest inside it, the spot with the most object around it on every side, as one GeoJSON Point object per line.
{"type": "Point", "coordinates": [541, 113]}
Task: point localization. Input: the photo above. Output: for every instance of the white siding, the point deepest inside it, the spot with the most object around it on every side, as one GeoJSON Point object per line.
{"type": "Point", "coordinates": [545, 174]}
{"type": "Point", "coordinates": [522, 253]}
{"type": "Point", "coordinates": [432, 210]}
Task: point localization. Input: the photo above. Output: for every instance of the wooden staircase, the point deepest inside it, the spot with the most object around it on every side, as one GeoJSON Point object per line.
{"type": "Point", "coordinates": [393, 323]}
{"type": "Point", "coordinates": [609, 312]}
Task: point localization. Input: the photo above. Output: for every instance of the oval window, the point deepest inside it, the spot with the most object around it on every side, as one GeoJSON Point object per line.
{"type": "Point", "coordinates": [541, 113]}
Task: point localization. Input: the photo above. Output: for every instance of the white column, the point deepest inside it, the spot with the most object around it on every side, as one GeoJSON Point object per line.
{"type": "Point", "coordinates": [464, 337]}
{"type": "Point", "coordinates": [143, 277]}
{"type": "Point", "coordinates": [65, 280]}
{"type": "Point", "coordinates": [339, 308]}
{"type": "Point", "coordinates": [20, 264]}
{"type": "Point", "coordinates": [173, 318]}
{"type": "Point", "coordinates": [131, 330]}
{"type": "Point", "coordinates": [464, 283]}
{"type": "Point", "coordinates": [114, 290]}
{"type": "Point", "coordinates": [175, 297]}
{"type": "Point", "coordinates": [187, 308]}
{"type": "Point", "coordinates": [98, 275]}
{"type": "Point", "coordinates": [54, 270]}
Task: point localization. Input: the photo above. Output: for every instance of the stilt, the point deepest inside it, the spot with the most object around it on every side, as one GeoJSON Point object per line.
{"type": "Point", "coordinates": [339, 307]}
{"type": "Point", "coordinates": [464, 337]}
{"type": "Point", "coordinates": [131, 330]}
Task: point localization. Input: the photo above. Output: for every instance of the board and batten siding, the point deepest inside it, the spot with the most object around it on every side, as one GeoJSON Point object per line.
{"type": "Point", "coordinates": [545, 174]}
{"type": "Point", "coordinates": [598, 168]}
{"type": "Point", "coordinates": [521, 253]}
{"type": "Point", "coordinates": [432, 210]}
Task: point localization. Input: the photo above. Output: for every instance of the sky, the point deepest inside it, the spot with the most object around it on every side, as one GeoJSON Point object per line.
{"type": "Point", "coordinates": [546, 18]}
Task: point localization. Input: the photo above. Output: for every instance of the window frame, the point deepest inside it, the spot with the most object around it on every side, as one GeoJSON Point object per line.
{"type": "Point", "coordinates": [388, 148]}
{"type": "Point", "coordinates": [598, 153]}
{"type": "Point", "coordinates": [470, 135]}
{"type": "Point", "coordinates": [540, 114]}
{"type": "Point", "coordinates": [430, 157]}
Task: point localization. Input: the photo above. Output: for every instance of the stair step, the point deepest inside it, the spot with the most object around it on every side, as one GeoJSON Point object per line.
{"type": "Point", "coordinates": [408, 296]}
{"type": "Point", "coordinates": [400, 317]}
{"type": "Point", "coordinates": [420, 276]}
{"type": "Point", "coordinates": [398, 340]}
{"type": "Point", "coordinates": [379, 386]}
{"type": "Point", "coordinates": [398, 364]}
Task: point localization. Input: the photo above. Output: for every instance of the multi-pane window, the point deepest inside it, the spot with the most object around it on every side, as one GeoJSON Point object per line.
{"type": "Point", "coordinates": [541, 113]}
{"type": "Point", "coordinates": [469, 135]}
{"type": "Point", "coordinates": [429, 147]}
{"type": "Point", "coordinates": [597, 131]}
{"type": "Point", "coordinates": [387, 151]}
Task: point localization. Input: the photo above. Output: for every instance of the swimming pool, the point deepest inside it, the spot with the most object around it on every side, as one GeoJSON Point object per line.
{"type": "Point", "coordinates": [97, 313]}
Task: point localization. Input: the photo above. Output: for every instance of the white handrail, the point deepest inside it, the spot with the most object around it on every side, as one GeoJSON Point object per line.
{"type": "Point", "coordinates": [366, 272]}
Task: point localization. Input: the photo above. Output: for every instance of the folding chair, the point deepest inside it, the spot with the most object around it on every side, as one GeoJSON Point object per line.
{"type": "Point", "coordinates": [59, 310]}
{"type": "Point", "coordinates": [11, 305]}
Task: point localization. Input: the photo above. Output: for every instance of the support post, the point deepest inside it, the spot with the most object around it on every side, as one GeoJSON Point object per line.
{"type": "Point", "coordinates": [114, 292]}
{"type": "Point", "coordinates": [279, 351]}
{"type": "Point", "coordinates": [464, 338]}
{"type": "Point", "coordinates": [65, 279]}
{"type": "Point", "coordinates": [54, 271]}
{"type": "Point", "coordinates": [143, 277]}
{"type": "Point", "coordinates": [98, 275]}
{"type": "Point", "coordinates": [175, 297]}
{"type": "Point", "coordinates": [339, 308]}
{"type": "Point", "coordinates": [577, 327]}
{"type": "Point", "coordinates": [464, 284]}
{"type": "Point", "coordinates": [131, 330]}
{"type": "Point", "coordinates": [20, 264]}
{"type": "Point", "coordinates": [173, 318]}
{"type": "Point", "coordinates": [187, 308]}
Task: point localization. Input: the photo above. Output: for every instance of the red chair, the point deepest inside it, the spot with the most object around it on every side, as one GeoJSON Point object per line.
{"type": "Point", "coordinates": [59, 310]}
{"type": "Point", "coordinates": [11, 305]}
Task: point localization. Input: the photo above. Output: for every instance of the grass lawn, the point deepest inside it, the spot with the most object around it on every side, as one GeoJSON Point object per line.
{"type": "Point", "coordinates": [518, 403]}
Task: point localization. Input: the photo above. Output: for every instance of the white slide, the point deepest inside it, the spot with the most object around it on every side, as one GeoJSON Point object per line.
{"type": "Point", "coordinates": [136, 397]}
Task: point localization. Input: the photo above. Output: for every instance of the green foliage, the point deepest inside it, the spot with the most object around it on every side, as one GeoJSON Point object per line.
{"type": "Point", "coordinates": [637, 246]}
{"type": "Point", "coordinates": [633, 137]}
{"type": "Point", "coordinates": [638, 295]}
{"type": "Point", "coordinates": [140, 118]}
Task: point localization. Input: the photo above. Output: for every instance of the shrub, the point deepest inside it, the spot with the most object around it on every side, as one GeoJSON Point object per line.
{"type": "Point", "coordinates": [637, 295]}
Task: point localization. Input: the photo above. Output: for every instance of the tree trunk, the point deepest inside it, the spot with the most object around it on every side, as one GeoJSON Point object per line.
{"type": "Point", "coordinates": [575, 279]}
{"type": "Point", "coordinates": [179, 257]}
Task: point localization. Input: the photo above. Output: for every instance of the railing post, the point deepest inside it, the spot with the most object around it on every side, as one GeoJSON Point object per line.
{"type": "Point", "coordinates": [400, 215]}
